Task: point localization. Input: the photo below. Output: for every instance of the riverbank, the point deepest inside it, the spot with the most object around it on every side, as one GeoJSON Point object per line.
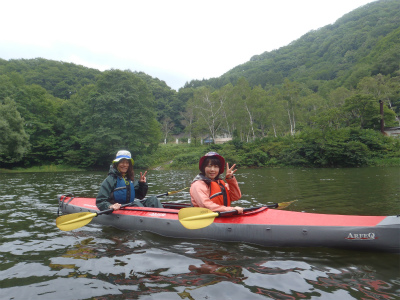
{"type": "Point", "coordinates": [42, 169]}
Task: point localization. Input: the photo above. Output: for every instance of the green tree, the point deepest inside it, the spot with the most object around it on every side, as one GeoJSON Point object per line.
{"type": "Point", "coordinates": [394, 96]}
{"type": "Point", "coordinates": [362, 111]}
{"type": "Point", "coordinates": [208, 108]}
{"type": "Point", "coordinates": [277, 121]}
{"type": "Point", "coordinates": [194, 126]}
{"type": "Point", "coordinates": [166, 126]}
{"type": "Point", "coordinates": [167, 104]}
{"type": "Point", "coordinates": [14, 142]}
{"type": "Point", "coordinates": [245, 108]}
{"type": "Point", "coordinates": [311, 107]}
{"type": "Point", "coordinates": [116, 113]}
{"type": "Point", "coordinates": [39, 110]}
{"type": "Point", "coordinates": [290, 95]}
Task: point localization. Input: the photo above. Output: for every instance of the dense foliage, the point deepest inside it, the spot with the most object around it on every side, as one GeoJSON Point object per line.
{"type": "Point", "coordinates": [345, 147]}
{"type": "Point", "coordinates": [59, 78]}
{"type": "Point", "coordinates": [314, 102]}
{"type": "Point", "coordinates": [86, 129]}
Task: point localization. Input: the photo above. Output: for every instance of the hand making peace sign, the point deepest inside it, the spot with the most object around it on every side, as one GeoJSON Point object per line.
{"type": "Point", "coordinates": [230, 171]}
{"type": "Point", "coordinates": [143, 177]}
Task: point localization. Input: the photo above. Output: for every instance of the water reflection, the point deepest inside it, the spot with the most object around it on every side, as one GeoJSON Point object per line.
{"type": "Point", "coordinates": [98, 262]}
{"type": "Point", "coordinates": [191, 269]}
{"type": "Point", "coordinates": [133, 265]}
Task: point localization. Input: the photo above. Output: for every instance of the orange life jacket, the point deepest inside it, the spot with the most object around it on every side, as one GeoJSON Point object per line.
{"type": "Point", "coordinates": [219, 193]}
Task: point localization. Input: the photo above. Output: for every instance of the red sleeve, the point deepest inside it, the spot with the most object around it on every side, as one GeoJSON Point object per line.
{"type": "Point", "coordinates": [234, 190]}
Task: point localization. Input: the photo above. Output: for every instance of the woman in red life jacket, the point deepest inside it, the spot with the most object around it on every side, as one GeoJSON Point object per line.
{"type": "Point", "coordinates": [209, 191]}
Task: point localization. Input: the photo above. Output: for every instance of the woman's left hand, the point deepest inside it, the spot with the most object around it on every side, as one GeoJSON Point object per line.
{"type": "Point", "coordinates": [143, 177]}
{"type": "Point", "coordinates": [230, 171]}
{"type": "Point", "coordinates": [115, 206]}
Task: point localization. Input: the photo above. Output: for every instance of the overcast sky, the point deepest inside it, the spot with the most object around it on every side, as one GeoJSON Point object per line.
{"type": "Point", "coordinates": [173, 40]}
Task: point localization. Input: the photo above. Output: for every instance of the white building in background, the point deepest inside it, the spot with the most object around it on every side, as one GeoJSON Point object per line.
{"type": "Point", "coordinates": [207, 140]}
{"type": "Point", "coordinates": [392, 131]}
{"type": "Point", "coordinates": [222, 140]}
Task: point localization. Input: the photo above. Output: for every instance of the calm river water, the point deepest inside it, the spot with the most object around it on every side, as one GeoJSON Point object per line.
{"type": "Point", "coordinates": [40, 262]}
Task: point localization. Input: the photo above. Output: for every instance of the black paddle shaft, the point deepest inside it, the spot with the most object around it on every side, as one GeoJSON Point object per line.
{"type": "Point", "coordinates": [234, 212]}
{"type": "Point", "coordinates": [125, 205]}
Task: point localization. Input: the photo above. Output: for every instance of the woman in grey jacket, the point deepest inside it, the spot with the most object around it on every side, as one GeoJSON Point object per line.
{"type": "Point", "coordinates": [120, 187]}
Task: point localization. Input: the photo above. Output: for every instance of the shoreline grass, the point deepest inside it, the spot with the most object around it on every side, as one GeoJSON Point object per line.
{"type": "Point", "coordinates": [47, 168]}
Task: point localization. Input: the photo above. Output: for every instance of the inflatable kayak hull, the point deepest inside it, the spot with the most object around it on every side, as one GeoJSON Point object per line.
{"type": "Point", "coordinates": [264, 227]}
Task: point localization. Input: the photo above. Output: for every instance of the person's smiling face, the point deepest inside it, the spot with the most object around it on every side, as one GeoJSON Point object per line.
{"type": "Point", "coordinates": [123, 166]}
{"type": "Point", "coordinates": [211, 171]}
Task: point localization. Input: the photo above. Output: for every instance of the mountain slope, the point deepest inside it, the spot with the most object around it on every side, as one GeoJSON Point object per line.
{"type": "Point", "coordinates": [331, 53]}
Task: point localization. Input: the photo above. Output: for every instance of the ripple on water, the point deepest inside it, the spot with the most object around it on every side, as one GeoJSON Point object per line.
{"type": "Point", "coordinates": [41, 262]}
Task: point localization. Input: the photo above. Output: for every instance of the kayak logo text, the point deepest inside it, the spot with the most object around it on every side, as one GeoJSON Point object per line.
{"type": "Point", "coordinates": [361, 236]}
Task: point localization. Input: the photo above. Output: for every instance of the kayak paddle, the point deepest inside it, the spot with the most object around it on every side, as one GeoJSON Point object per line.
{"type": "Point", "coordinates": [171, 193]}
{"type": "Point", "coordinates": [77, 220]}
{"type": "Point", "coordinates": [200, 217]}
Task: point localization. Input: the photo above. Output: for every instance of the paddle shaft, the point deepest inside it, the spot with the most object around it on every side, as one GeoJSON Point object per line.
{"type": "Point", "coordinates": [231, 212]}
{"type": "Point", "coordinates": [130, 204]}
{"type": "Point", "coordinates": [234, 212]}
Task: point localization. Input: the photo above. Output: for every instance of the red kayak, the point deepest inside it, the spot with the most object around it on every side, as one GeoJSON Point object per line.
{"type": "Point", "coordinates": [261, 226]}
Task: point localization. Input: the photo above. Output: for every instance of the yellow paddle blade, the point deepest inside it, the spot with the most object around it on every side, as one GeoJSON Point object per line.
{"type": "Point", "coordinates": [283, 205]}
{"type": "Point", "coordinates": [196, 217]}
{"type": "Point", "coordinates": [174, 192]}
{"type": "Point", "coordinates": [74, 221]}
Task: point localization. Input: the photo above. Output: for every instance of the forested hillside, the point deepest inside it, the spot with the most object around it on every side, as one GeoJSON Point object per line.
{"type": "Point", "coordinates": [364, 42]}
{"type": "Point", "coordinates": [59, 78]}
{"type": "Point", "coordinates": [322, 87]}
